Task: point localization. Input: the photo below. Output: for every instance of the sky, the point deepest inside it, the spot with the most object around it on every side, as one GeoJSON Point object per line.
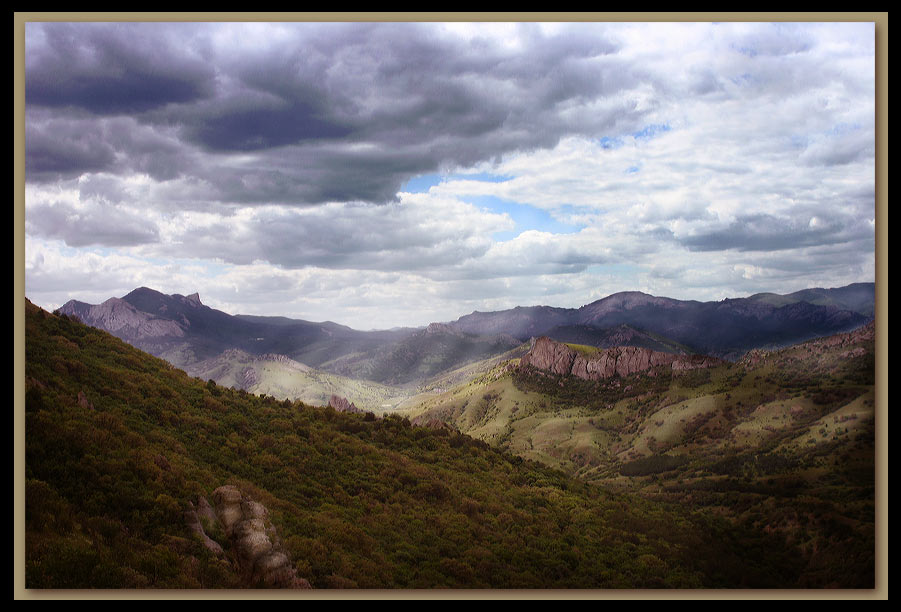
{"type": "Point", "coordinates": [396, 174]}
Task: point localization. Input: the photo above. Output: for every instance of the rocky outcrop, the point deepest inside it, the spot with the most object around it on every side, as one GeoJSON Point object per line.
{"type": "Point", "coordinates": [341, 404]}
{"type": "Point", "coordinates": [193, 521]}
{"type": "Point", "coordinates": [256, 549]}
{"type": "Point", "coordinates": [84, 402]}
{"type": "Point", "coordinates": [558, 358]}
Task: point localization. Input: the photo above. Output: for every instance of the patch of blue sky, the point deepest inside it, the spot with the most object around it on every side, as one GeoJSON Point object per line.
{"type": "Point", "coordinates": [646, 133]}
{"type": "Point", "coordinates": [607, 142]}
{"type": "Point", "coordinates": [633, 169]}
{"type": "Point", "coordinates": [422, 183]}
{"type": "Point", "coordinates": [211, 268]}
{"type": "Point", "coordinates": [626, 270]}
{"type": "Point", "coordinates": [651, 131]}
{"type": "Point", "coordinates": [742, 79]}
{"type": "Point", "coordinates": [525, 217]}
{"type": "Point", "coordinates": [96, 250]}
{"type": "Point", "coordinates": [844, 128]}
{"type": "Point", "coordinates": [799, 142]}
{"type": "Point", "coordinates": [625, 274]}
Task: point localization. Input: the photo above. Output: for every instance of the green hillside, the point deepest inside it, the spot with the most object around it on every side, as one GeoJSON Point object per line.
{"type": "Point", "coordinates": [118, 442]}
{"type": "Point", "coordinates": [782, 441]}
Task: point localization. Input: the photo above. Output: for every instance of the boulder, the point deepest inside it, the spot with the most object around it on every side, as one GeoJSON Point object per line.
{"type": "Point", "coordinates": [258, 552]}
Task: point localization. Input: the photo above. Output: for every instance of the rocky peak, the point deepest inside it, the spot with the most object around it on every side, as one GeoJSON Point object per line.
{"type": "Point", "coordinates": [193, 299]}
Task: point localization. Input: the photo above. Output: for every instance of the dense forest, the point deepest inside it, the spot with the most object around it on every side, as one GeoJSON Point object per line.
{"type": "Point", "coordinates": [118, 442]}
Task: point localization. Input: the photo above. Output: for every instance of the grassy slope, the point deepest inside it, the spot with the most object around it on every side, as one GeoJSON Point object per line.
{"type": "Point", "coordinates": [117, 443]}
{"type": "Point", "coordinates": [287, 381]}
{"type": "Point", "coordinates": [785, 444]}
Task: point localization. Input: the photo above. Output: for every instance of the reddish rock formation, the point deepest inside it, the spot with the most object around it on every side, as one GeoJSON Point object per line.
{"type": "Point", "coordinates": [341, 404]}
{"type": "Point", "coordinates": [84, 402]}
{"type": "Point", "coordinates": [557, 358]}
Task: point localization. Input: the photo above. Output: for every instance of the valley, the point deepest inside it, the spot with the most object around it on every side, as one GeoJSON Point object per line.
{"type": "Point", "coordinates": [772, 451]}
{"type": "Point", "coordinates": [781, 441]}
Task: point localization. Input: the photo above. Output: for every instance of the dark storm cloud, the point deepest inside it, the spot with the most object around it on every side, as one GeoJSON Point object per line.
{"type": "Point", "coordinates": [762, 232]}
{"type": "Point", "coordinates": [59, 148]}
{"type": "Point", "coordinates": [112, 68]}
{"type": "Point", "coordinates": [242, 125]}
{"type": "Point", "coordinates": [317, 174]}
{"type": "Point", "coordinates": [329, 112]}
{"type": "Point", "coordinates": [65, 149]}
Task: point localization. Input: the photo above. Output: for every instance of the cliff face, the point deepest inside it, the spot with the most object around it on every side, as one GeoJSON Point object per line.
{"type": "Point", "coordinates": [557, 358]}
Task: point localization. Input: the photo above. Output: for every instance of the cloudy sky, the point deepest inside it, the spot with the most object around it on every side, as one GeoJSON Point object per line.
{"type": "Point", "coordinates": [381, 175]}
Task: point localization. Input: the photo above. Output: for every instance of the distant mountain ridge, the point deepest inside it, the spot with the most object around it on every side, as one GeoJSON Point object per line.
{"type": "Point", "coordinates": [725, 329]}
{"type": "Point", "coordinates": [191, 335]}
{"type": "Point", "coordinates": [858, 297]}
{"type": "Point", "coordinates": [184, 331]}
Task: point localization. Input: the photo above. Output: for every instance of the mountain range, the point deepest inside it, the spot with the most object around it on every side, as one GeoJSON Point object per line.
{"type": "Point", "coordinates": [185, 332]}
{"type": "Point", "coordinates": [726, 329]}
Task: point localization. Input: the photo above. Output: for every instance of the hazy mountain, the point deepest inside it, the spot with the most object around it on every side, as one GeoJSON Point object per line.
{"type": "Point", "coordinates": [184, 330]}
{"type": "Point", "coordinates": [520, 322]}
{"type": "Point", "coordinates": [725, 329]}
{"type": "Point", "coordinates": [620, 335]}
{"type": "Point", "coordinates": [857, 297]}
{"type": "Point", "coordinates": [422, 354]}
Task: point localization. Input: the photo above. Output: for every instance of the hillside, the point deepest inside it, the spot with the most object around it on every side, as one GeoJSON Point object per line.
{"type": "Point", "coordinates": [283, 378]}
{"type": "Point", "coordinates": [123, 451]}
{"type": "Point", "coordinates": [781, 441]}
